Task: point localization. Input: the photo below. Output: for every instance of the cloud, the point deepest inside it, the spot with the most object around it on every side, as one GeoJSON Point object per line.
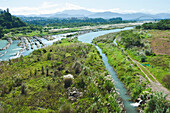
{"type": "Point", "coordinates": [50, 7]}
{"type": "Point", "coordinates": [44, 8]}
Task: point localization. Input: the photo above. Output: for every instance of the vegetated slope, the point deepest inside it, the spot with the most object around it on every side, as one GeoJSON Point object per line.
{"type": "Point", "coordinates": [37, 82]}
{"type": "Point", "coordinates": [8, 21]}
{"type": "Point", "coordinates": [130, 74]}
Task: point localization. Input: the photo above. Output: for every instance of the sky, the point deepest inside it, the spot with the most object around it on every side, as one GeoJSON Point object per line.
{"type": "Point", "coordinates": [27, 7]}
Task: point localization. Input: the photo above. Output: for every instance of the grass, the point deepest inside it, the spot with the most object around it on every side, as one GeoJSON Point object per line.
{"type": "Point", "coordinates": [127, 74]}
{"type": "Point", "coordinates": [132, 77]}
{"type": "Point", "coordinates": [25, 89]}
{"type": "Point", "coordinates": [150, 76]}
{"type": "Point", "coordinates": [159, 63]}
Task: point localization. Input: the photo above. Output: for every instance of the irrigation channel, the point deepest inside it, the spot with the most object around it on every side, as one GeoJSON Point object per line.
{"type": "Point", "coordinates": [87, 38]}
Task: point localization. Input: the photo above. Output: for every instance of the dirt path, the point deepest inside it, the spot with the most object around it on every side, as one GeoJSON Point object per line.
{"type": "Point", "coordinates": [155, 86]}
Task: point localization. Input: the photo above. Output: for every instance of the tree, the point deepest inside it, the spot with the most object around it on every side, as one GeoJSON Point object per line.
{"type": "Point", "coordinates": [1, 32]}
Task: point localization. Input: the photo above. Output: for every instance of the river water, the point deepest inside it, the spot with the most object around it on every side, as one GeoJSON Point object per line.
{"type": "Point", "coordinates": [87, 38]}
{"type": "Point", "coordinates": [14, 49]}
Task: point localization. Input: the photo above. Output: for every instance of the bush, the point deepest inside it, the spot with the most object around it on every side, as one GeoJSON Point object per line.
{"type": "Point", "coordinates": [23, 91]}
{"type": "Point", "coordinates": [166, 80]}
{"type": "Point", "coordinates": [157, 104]}
{"type": "Point", "coordinates": [108, 85]}
{"type": "Point", "coordinates": [66, 108]}
{"type": "Point", "coordinates": [68, 82]}
{"type": "Point", "coordinates": [143, 59]}
{"type": "Point", "coordinates": [49, 56]}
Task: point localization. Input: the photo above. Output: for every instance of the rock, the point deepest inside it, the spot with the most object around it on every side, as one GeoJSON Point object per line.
{"type": "Point", "coordinates": [142, 97]}
{"type": "Point", "coordinates": [68, 76]}
{"type": "Point", "coordinates": [74, 94]}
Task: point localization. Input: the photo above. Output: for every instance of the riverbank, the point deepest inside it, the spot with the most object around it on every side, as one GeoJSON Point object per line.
{"type": "Point", "coordinates": [31, 43]}
{"type": "Point", "coordinates": [130, 74]}
{"type": "Point", "coordinates": [67, 74]}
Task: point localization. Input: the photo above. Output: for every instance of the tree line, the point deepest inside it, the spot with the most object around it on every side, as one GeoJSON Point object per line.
{"type": "Point", "coordinates": [70, 22]}
{"type": "Point", "coordinates": [161, 25]}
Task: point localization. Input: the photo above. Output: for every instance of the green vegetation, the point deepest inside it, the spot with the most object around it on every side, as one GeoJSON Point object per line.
{"type": "Point", "coordinates": [68, 76]}
{"type": "Point", "coordinates": [161, 25]}
{"type": "Point", "coordinates": [70, 22]}
{"type": "Point", "coordinates": [8, 21]}
{"type": "Point", "coordinates": [142, 52]}
{"type": "Point", "coordinates": [158, 104]}
{"type": "Point", "coordinates": [129, 73]}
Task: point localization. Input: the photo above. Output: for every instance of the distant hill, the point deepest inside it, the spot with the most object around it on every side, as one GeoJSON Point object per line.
{"type": "Point", "coordinates": [105, 15]}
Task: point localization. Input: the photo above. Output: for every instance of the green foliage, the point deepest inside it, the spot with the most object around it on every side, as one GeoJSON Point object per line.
{"type": "Point", "coordinates": [108, 85]}
{"type": "Point", "coordinates": [157, 104]}
{"type": "Point", "coordinates": [49, 93]}
{"type": "Point", "coordinates": [125, 71]}
{"type": "Point", "coordinates": [68, 82]}
{"type": "Point", "coordinates": [161, 25]}
{"type": "Point", "coordinates": [42, 70]}
{"type": "Point", "coordinates": [130, 39]}
{"type": "Point", "coordinates": [66, 108]}
{"type": "Point", "coordinates": [8, 21]}
{"type": "Point", "coordinates": [166, 80]}
{"type": "Point", "coordinates": [70, 22]}
{"type": "Point", "coordinates": [23, 91]}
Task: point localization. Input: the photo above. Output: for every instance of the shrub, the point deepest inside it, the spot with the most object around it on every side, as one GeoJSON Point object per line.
{"type": "Point", "coordinates": [23, 91]}
{"type": "Point", "coordinates": [166, 80]}
{"type": "Point", "coordinates": [49, 56]}
{"type": "Point", "coordinates": [157, 104]}
{"type": "Point", "coordinates": [77, 67]}
{"type": "Point", "coordinates": [36, 52]}
{"type": "Point", "coordinates": [147, 52]}
{"type": "Point", "coordinates": [66, 108]}
{"type": "Point", "coordinates": [68, 80]}
{"type": "Point", "coordinates": [35, 72]}
{"type": "Point", "coordinates": [108, 85]}
{"type": "Point", "coordinates": [42, 70]}
{"type": "Point", "coordinates": [47, 72]}
{"type": "Point", "coordinates": [143, 59]}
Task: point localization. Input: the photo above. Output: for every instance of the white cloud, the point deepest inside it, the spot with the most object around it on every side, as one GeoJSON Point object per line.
{"type": "Point", "coordinates": [44, 8]}
{"type": "Point", "coordinates": [50, 7]}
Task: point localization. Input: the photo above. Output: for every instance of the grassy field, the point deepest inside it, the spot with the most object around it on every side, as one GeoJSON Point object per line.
{"type": "Point", "coordinates": [154, 53]}
{"type": "Point", "coordinates": [38, 82]}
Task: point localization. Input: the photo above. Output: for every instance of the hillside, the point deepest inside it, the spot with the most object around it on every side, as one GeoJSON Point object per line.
{"type": "Point", "coordinates": [8, 21]}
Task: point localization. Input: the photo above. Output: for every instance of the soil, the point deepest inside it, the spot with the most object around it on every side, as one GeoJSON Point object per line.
{"type": "Point", "coordinates": [160, 42]}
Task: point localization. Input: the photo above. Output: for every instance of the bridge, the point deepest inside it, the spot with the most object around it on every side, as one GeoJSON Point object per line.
{"type": "Point", "coordinates": [148, 18]}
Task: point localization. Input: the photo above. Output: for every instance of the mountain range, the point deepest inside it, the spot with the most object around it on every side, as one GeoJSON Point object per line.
{"type": "Point", "coordinates": [105, 15]}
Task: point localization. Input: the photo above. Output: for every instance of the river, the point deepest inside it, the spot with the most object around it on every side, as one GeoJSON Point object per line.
{"type": "Point", "coordinates": [14, 49]}
{"type": "Point", "coordinates": [87, 38]}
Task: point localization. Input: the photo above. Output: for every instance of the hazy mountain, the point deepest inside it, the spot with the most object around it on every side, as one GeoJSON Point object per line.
{"type": "Point", "coordinates": [105, 15]}
{"type": "Point", "coordinates": [78, 12]}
